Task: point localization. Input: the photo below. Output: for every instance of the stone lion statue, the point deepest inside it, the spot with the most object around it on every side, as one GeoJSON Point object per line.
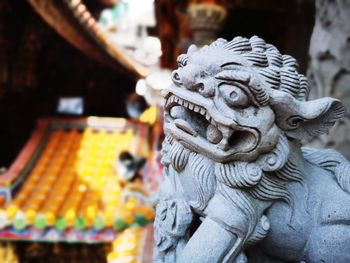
{"type": "Point", "coordinates": [238, 186]}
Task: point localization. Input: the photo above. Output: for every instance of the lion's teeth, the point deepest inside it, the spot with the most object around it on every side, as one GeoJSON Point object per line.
{"type": "Point", "coordinates": [190, 106]}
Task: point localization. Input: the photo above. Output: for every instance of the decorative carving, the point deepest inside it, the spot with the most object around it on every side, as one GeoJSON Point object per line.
{"type": "Point", "coordinates": [234, 169]}
{"type": "Point", "coordinates": [329, 67]}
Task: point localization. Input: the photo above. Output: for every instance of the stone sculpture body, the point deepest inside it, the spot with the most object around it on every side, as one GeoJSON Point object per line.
{"type": "Point", "coordinates": [238, 186]}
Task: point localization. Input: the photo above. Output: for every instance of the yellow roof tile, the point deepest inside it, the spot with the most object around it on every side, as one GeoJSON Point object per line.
{"type": "Point", "coordinates": [74, 180]}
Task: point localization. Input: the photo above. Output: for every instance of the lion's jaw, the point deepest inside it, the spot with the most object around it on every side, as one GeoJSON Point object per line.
{"type": "Point", "coordinates": [223, 134]}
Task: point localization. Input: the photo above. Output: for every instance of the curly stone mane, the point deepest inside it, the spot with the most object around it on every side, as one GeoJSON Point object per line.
{"type": "Point", "coordinates": [279, 71]}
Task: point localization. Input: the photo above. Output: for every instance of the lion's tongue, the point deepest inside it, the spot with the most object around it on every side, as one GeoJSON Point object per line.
{"type": "Point", "coordinates": [178, 112]}
{"type": "Point", "coordinates": [185, 126]}
{"type": "Point", "coordinates": [213, 134]}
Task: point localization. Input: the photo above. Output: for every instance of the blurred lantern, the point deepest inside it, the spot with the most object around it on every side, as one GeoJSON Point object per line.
{"type": "Point", "coordinates": [206, 19]}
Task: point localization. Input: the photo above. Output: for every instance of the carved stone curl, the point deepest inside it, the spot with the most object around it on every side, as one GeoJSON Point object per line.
{"type": "Point", "coordinates": [238, 186]}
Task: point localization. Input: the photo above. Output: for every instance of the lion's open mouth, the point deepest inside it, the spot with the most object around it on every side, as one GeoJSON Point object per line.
{"type": "Point", "coordinates": [196, 121]}
{"type": "Point", "coordinates": [192, 119]}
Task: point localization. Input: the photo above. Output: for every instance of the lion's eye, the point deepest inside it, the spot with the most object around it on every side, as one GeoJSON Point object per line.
{"type": "Point", "coordinates": [234, 96]}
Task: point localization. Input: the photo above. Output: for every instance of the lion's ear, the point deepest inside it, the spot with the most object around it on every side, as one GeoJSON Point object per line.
{"type": "Point", "coordinates": [305, 119]}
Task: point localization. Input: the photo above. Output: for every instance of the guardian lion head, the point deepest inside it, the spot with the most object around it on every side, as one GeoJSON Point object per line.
{"type": "Point", "coordinates": [232, 101]}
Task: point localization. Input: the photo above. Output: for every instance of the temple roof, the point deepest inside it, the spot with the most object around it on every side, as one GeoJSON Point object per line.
{"type": "Point", "coordinates": [64, 185]}
{"type": "Point", "coordinates": [73, 21]}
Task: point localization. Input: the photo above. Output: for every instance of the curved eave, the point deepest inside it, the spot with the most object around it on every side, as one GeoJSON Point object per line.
{"type": "Point", "coordinates": [72, 21]}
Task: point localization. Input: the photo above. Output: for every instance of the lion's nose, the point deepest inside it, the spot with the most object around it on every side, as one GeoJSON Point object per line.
{"type": "Point", "coordinates": [202, 88]}
{"type": "Point", "coordinates": [196, 81]}
{"type": "Point", "coordinates": [206, 90]}
{"type": "Point", "coordinates": [190, 77]}
{"type": "Point", "coordinates": [190, 82]}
